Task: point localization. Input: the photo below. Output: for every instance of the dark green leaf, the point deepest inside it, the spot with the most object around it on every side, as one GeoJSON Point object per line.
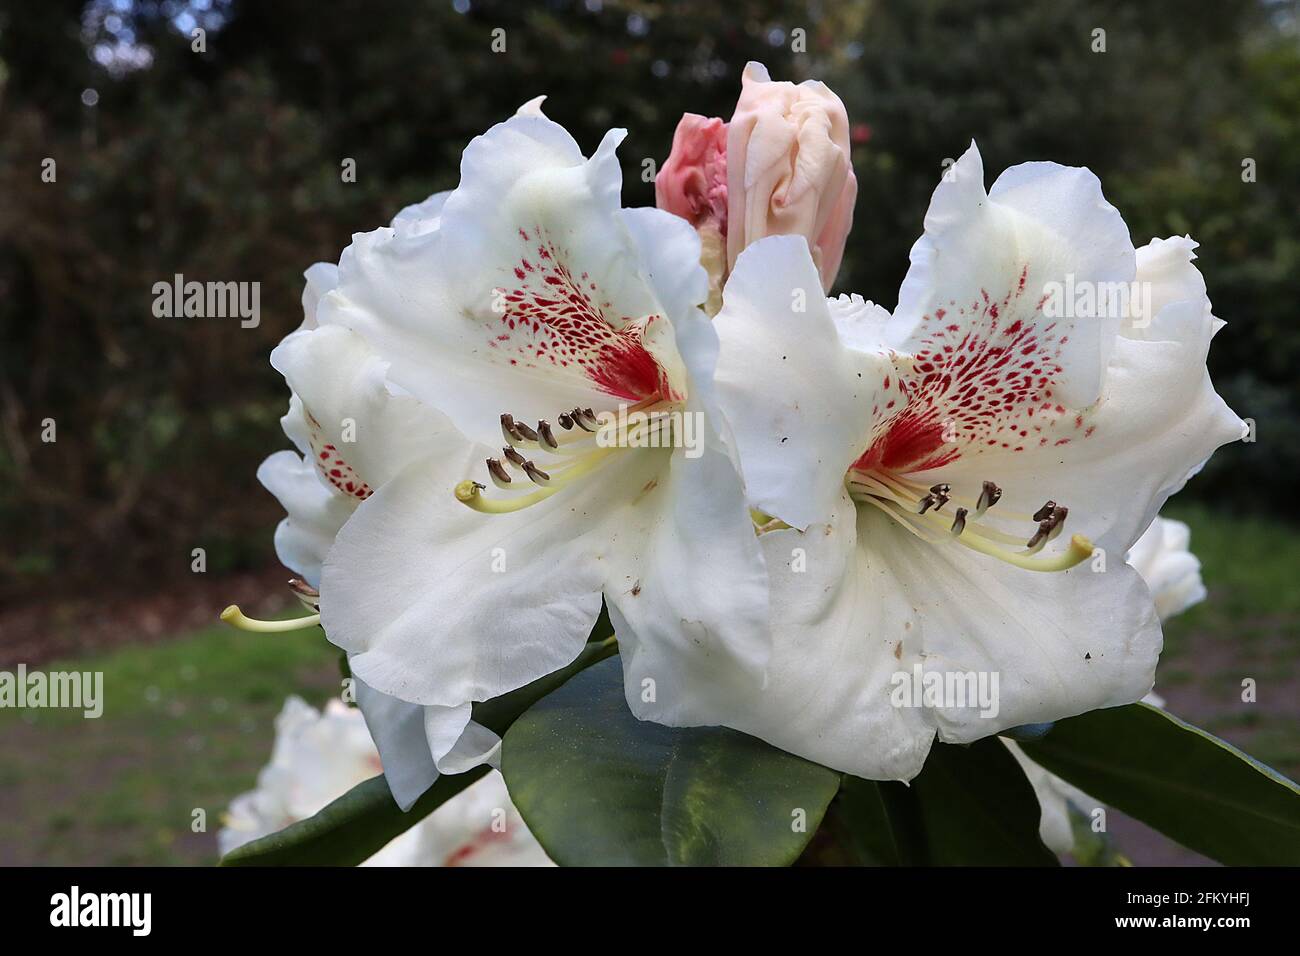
{"type": "Point", "coordinates": [856, 830]}
{"type": "Point", "coordinates": [1189, 785]}
{"type": "Point", "coordinates": [970, 806]}
{"type": "Point", "coordinates": [598, 787]}
{"type": "Point", "coordinates": [362, 821]}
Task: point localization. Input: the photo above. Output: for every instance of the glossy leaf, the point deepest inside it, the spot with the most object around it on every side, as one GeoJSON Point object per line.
{"type": "Point", "coordinates": [970, 806]}
{"type": "Point", "coordinates": [1180, 780]}
{"type": "Point", "coordinates": [598, 787]}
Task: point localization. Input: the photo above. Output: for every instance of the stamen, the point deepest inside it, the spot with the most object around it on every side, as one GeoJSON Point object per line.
{"type": "Point", "coordinates": [1058, 521]}
{"type": "Point", "coordinates": [1035, 544]}
{"type": "Point", "coordinates": [500, 477]}
{"type": "Point", "coordinates": [1045, 511]}
{"type": "Point", "coordinates": [305, 593]}
{"type": "Point", "coordinates": [912, 510]}
{"type": "Point", "coordinates": [566, 421]}
{"type": "Point", "coordinates": [236, 618]}
{"type": "Point", "coordinates": [528, 433]}
{"type": "Point", "coordinates": [989, 496]}
{"type": "Point", "coordinates": [548, 437]}
{"type": "Point", "coordinates": [539, 477]}
{"type": "Point", "coordinates": [510, 429]}
{"type": "Point", "coordinates": [468, 492]}
{"type": "Point", "coordinates": [303, 589]}
{"type": "Point", "coordinates": [513, 456]}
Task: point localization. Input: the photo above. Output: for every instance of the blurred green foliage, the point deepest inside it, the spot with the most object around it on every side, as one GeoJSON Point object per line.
{"type": "Point", "coordinates": [225, 165]}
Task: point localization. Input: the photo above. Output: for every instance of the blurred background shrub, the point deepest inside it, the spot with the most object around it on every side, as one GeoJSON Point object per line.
{"type": "Point", "coordinates": [225, 165]}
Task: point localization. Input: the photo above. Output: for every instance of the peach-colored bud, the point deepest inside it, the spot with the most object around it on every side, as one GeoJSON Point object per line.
{"type": "Point", "coordinates": [693, 181]}
{"type": "Point", "coordinates": [789, 171]}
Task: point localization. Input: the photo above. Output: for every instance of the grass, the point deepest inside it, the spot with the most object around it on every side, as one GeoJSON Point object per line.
{"type": "Point", "coordinates": [188, 723]}
{"type": "Point", "coordinates": [186, 726]}
{"type": "Point", "coordinates": [1248, 628]}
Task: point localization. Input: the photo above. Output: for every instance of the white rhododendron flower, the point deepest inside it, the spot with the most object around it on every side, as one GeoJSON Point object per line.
{"type": "Point", "coordinates": [319, 756]}
{"type": "Point", "coordinates": [1173, 574]}
{"type": "Point", "coordinates": [948, 470]}
{"type": "Point", "coordinates": [353, 435]}
{"type": "Point", "coordinates": [1164, 559]}
{"type": "Point", "coordinates": [562, 336]}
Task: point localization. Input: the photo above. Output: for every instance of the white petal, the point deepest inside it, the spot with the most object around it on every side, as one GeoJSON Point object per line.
{"type": "Point", "coordinates": [1114, 465]}
{"type": "Point", "coordinates": [480, 827]}
{"type": "Point", "coordinates": [474, 746]}
{"type": "Point", "coordinates": [420, 218]}
{"type": "Point", "coordinates": [1059, 643]}
{"type": "Point", "coordinates": [688, 592]}
{"type": "Point", "coordinates": [873, 603]}
{"type": "Point", "coordinates": [801, 406]}
{"type": "Point", "coordinates": [1054, 798]}
{"type": "Point", "coordinates": [669, 252]}
{"type": "Point", "coordinates": [355, 423]}
{"type": "Point", "coordinates": [417, 742]}
{"type": "Point", "coordinates": [988, 261]}
{"type": "Point", "coordinates": [398, 729]}
{"type": "Point", "coordinates": [440, 604]}
{"type": "Point", "coordinates": [836, 625]}
{"type": "Point", "coordinates": [321, 278]}
{"type": "Point", "coordinates": [315, 513]}
{"type": "Point", "coordinates": [1170, 570]}
{"type": "Point", "coordinates": [1164, 273]}
{"type": "Point", "coordinates": [528, 299]}
{"type": "Point", "coordinates": [533, 107]}
{"type": "Point", "coordinates": [862, 325]}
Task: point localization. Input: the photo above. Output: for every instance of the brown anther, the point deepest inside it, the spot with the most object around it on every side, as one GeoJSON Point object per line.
{"type": "Point", "coordinates": [566, 421]}
{"type": "Point", "coordinates": [548, 436]}
{"type": "Point", "coordinates": [528, 433]}
{"type": "Point", "coordinates": [509, 428]}
{"type": "Point", "coordinates": [498, 471]}
{"type": "Point", "coordinates": [1045, 511]}
{"type": "Point", "coordinates": [942, 489]}
{"type": "Point", "coordinates": [1040, 536]}
{"type": "Point", "coordinates": [535, 473]}
{"type": "Point", "coordinates": [990, 494]}
{"type": "Point", "coordinates": [581, 420]}
{"type": "Point", "coordinates": [303, 589]}
{"type": "Point", "coordinates": [514, 457]}
{"type": "Point", "coordinates": [959, 522]}
{"type": "Point", "coordinates": [926, 504]}
{"type": "Point", "coordinates": [1057, 519]}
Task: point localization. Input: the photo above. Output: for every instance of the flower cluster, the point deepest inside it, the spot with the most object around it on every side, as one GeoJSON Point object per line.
{"type": "Point", "coordinates": [520, 402]}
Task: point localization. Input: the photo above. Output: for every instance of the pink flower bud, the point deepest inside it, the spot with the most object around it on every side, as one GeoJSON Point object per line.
{"type": "Point", "coordinates": [789, 170]}
{"type": "Point", "coordinates": [693, 181]}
